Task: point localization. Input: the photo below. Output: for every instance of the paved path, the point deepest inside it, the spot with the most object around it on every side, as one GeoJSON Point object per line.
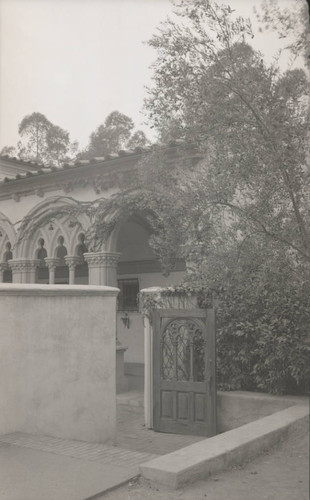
{"type": "Point", "coordinates": [42, 467]}
{"type": "Point", "coordinates": [280, 474]}
{"type": "Point", "coordinates": [133, 435]}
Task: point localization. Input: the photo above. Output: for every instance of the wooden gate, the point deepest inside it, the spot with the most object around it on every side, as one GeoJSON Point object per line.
{"type": "Point", "coordinates": [184, 371]}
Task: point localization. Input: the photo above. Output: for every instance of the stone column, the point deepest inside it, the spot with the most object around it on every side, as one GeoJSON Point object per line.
{"type": "Point", "coordinates": [23, 270]}
{"type": "Point", "coordinates": [102, 267]}
{"type": "Point", "coordinates": [33, 264]}
{"type": "Point", "coordinates": [3, 267]}
{"type": "Point", "coordinates": [72, 261]}
{"type": "Point", "coordinates": [102, 270]}
{"type": "Point", "coordinates": [52, 263]}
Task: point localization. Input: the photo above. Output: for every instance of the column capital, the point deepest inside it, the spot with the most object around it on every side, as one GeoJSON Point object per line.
{"type": "Point", "coordinates": [23, 264]}
{"type": "Point", "coordinates": [52, 262]}
{"type": "Point", "coordinates": [102, 259]}
{"type": "Point", "coordinates": [73, 260]}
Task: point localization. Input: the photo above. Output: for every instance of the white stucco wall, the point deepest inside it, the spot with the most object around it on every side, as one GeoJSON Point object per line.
{"type": "Point", "coordinates": [133, 337]}
{"type": "Point", "coordinates": [57, 369]}
{"type": "Point", "coordinates": [16, 210]}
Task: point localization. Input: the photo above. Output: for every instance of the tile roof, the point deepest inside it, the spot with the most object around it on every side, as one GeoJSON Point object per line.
{"type": "Point", "coordinates": [37, 169]}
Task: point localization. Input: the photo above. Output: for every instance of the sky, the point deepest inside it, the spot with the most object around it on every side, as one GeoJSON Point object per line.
{"type": "Point", "coordinates": [75, 61]}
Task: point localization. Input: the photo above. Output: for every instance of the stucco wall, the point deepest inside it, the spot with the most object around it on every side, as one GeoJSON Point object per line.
{"type": "Point", "coordinates": [240, 407]}
{"type": "Point", "coordinates": [16, 210]}
{"type": "Point", "coordinates": [133, 337]}
{"type": "Point", "coordinates": [57, 369]}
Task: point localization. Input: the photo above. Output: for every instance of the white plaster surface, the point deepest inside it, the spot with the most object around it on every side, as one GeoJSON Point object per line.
{"type": "Point", "coordinates": [57, 369]}
{"type": "Point", "coordinates": [15, 211]}
{"type": "Point", "coordinates": [133, 337]}
{"type": "Point", "coordinates": [238, 408]}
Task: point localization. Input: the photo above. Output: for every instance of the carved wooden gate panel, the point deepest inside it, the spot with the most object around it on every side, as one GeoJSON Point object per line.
{"type": "Point", "coordinates": [184, 371]}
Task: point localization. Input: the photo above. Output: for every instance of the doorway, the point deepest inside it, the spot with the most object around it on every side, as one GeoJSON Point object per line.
{"type": "Point", "coordinates": [184, 391]}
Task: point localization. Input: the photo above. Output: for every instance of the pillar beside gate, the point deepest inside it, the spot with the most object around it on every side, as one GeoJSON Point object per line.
{"type": "Point", "coordinates": [102, 270]}
{"type": "Point", "coordinates": [102, 267]}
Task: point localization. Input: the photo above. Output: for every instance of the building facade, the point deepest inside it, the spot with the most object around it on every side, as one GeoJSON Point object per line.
{"type": "Point", "coordinates": [39, 245]}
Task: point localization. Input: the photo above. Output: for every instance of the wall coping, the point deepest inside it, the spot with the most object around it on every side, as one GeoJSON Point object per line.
{"type": "Point", "coordinates": [58, 290]}
{"type": "Point", "coordinates": [220, 452]}
{"type": "Point", "coordinates": [154, 289]}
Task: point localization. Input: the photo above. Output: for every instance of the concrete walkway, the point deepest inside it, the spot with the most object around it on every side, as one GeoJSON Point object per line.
{"type": "Point", "coordinates": [42, 467]}
{"type": "Point", "coordinates": [133, 435]}
{"type": "Point", "coordinates": [37, 467]}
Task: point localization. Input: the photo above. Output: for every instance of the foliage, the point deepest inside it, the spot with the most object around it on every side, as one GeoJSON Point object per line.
{"type": "Point", "coordinates": [137, 140]}
{"type": "Point", "coordinates": [8, 151]}
{"type": "Point", "coordinates": [263, 326]}
{"type": "Point", "coordinates": [43, 142]}
{"type": "Point", "coordinates": [233, 201]}
{"type": "Point", "coordinates": [292, 25]}
{"type": "Point", "coordinates": [246, 210]}
{"type": "Point", "coordinates": [248, 119]}
{"type": "Point", "coordinates": [143, 196]}
{"type": "Point", "coordinates": [112, 136]}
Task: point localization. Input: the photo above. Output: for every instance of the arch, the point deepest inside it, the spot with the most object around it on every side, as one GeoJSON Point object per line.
{"type": "Point", "coordinates": [111, 242]}
{"type": "Point", "coordinates": [49, 219]}
{"type": "Point", "coordinates": [75, 240]}
{"type": "Point", "coordinates": [59, 231]}
{"type": "Point", "coordinates": [8, 254]}
{"type": "Point", "coordinates": [81, 270]}
{"type": "Point", "coordinates": [42, 274]}
{"type": "Point", "coordinates": [80, 247]}
{"type": "Point", "coordinates": [7, 235]}
{"type": "Point", "coordinates": [62, 270]}
{"type": "Point", "coordinates": [41, 252]}
{"type": "Point", "coordinates": [61, 250]}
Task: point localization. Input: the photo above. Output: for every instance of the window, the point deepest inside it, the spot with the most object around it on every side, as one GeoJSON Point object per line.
{"type": "Point", "coordinates": [127, 299]}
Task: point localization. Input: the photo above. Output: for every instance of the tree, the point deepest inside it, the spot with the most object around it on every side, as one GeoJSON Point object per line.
{"type": "Point", "coordinates": [240, 214]}
{"type": "Point", "coordinates": [249, 120]}
{"type": "Point", "coordinates": [8, 151]}
{"type": "Point", "coordinates": [292, 25]}
{"type": "Point", "coordinates": [59, 147]}
{"type": "Point", "coordinates": [112, 136]}
{"type": "Point", "coordinates": [235, 200]}
{"type": "Point", "coordinates": [246, 232]}
{"type": "Point", "coordinates": [44, 142]}
{"type": "Point", "coordinates": [34, 129]}
{"type": "Point", "coordinates": [137, 140]}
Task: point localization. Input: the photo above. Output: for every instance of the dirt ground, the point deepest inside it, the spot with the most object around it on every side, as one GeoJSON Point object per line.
{"type": "Point", "coordinates": [282, 473]}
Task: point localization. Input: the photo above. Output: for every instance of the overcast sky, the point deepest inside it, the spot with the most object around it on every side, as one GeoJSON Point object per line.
{"type": "Point", "coordinates": [75, 61]}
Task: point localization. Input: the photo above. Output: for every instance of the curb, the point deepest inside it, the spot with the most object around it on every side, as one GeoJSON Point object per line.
{"type": "Point", "coordinates": [220, 452]}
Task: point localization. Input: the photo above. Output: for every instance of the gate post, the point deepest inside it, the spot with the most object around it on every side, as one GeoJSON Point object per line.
{"type": "Point", "coordinates": [151, 299]}
{"type": "Point", "coordinates": [102, 267]}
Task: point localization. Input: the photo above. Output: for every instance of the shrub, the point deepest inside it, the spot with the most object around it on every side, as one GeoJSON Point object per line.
{"type": "Point", "coordinates": [263, 337]}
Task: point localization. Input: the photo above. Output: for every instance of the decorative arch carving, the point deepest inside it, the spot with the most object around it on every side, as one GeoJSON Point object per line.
{"type": "Point", "coordinates": [8, 235]}
{"type": "Point", "coordinates": [80, 246]}
{"type": "Point", "coordinates": [45, 221]}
